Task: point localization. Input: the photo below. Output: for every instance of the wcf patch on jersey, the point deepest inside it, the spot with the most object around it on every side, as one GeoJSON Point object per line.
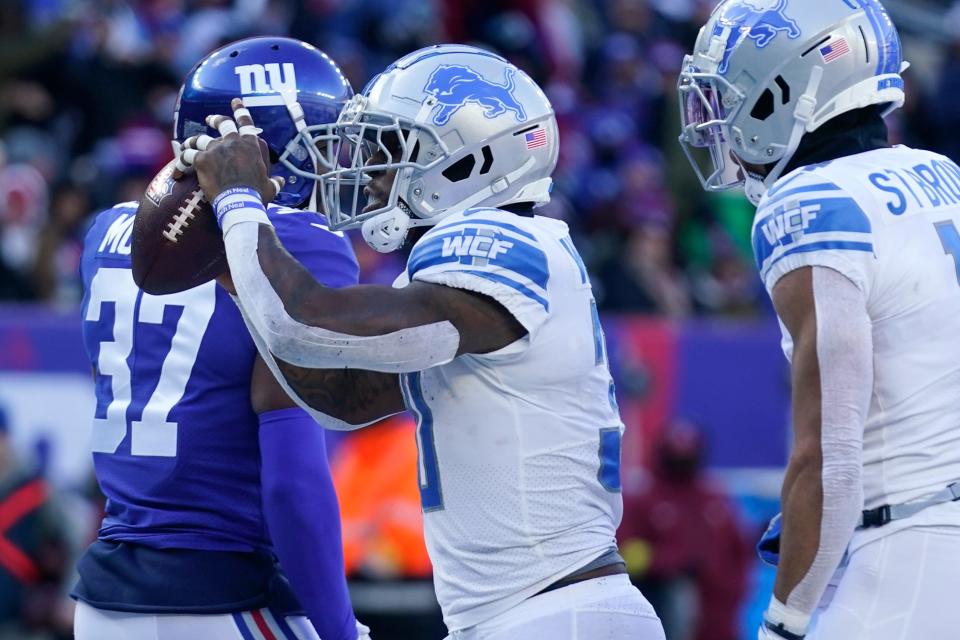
{"type": "Point", "coordinates": [790, 222]}
{"type": "Point", "coordinates": [478, 249]}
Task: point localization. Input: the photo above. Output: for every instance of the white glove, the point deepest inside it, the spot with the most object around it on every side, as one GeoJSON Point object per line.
{"type": "Point", "coordinates": [363, 631]}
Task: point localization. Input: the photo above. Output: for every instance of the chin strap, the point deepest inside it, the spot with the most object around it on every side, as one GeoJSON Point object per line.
{"type": "Point", "coordinates": [497, 186]}
{"type": "Point", "coordinates": [756, 187]}
{"type": "Point", "coordinates": [386, 232]}
{"type": "Point", "coordinates": [803, 114]}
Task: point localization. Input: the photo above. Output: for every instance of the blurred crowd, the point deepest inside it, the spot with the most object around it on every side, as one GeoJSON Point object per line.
{"type": "Point", "coordinates": [88, 87]}
{"type": "Point", "coordinates": [87, 92]}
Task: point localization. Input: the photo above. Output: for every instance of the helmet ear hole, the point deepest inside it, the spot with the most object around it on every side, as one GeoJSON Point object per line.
{"type": "Point", "coordinates": [461, 169]}
{"type": "Point", "coordinates": [764, 107]}
{"type": "Point", "coordinates": [767, 103]}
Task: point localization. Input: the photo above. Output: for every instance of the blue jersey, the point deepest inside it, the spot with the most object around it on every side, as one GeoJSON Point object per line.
{"type": "Point", "coordinates": [175, 441]}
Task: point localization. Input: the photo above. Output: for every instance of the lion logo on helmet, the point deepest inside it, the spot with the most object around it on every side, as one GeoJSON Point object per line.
{"type": "Point", "coordinates": [455, 86]}
{"type": "Point", "coordinates": [759, 20]}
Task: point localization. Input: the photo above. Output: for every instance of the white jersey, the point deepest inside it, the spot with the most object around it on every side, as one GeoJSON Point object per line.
{"type": "Point", "coordinates": [520, 448]}
{"type": "Point", "coordinates": [889, 220]}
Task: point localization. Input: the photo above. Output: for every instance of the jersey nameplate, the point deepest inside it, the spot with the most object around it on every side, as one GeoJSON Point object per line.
{"type": "Point", "coordinates": [117, 238]}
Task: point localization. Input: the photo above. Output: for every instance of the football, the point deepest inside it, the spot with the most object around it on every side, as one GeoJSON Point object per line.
{"type": "Point", "coordinates": [176, 243]}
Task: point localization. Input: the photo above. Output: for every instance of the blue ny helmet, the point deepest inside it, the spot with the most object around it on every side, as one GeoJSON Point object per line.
{"type": "Point", "coordinates": [293, 90]}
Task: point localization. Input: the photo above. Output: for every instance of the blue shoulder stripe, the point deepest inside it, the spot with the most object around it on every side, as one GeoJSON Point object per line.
{"type": "Point", "coordinates": [513, 284]}
{"type": "Point", "coordinates": [493, 223]}
{"type": "Point", "coordinates": [866, 247]}
{"type": "Point", "coordinates": [784, 227]}
{"type": "Point", "coordinates": [576, 258]}
{"type": "Point", "coordinates": [481, 248]}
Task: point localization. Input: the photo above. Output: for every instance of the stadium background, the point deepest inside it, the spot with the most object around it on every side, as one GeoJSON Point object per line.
{"type": "Point", "coordinates": [87, 89]}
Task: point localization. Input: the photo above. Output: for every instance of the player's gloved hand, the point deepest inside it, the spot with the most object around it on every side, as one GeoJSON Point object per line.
{"type": "Point", "coordinates": [768, 548]}
{"type": "Point", "coordinates": [363, 631]}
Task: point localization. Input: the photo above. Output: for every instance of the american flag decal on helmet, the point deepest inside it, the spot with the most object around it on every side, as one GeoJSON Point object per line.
{"type": "Point", "coordinates": [836, 49]}
{"type": "Point", "coordinates": [536, 139]}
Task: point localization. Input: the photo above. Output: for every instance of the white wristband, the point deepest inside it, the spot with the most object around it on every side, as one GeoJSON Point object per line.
{"type": "Point", "coordinates": [239, 204]}
{"type": "Point", "coordinates": [793, 620]}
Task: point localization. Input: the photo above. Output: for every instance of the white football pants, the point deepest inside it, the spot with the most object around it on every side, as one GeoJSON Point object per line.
{"type": "Point", "coordinates": [607, 608]}
{"type": "Point", "coordinates": [900, 587]}
{"type": "Point", "coordinates": [261, 624]}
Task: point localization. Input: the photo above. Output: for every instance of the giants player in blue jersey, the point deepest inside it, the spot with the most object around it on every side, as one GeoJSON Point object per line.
{"type": "Point", "coordinates": [210, 471]}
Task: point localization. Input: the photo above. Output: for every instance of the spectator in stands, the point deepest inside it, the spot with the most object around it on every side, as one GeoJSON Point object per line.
{"type": "Point", "coordinates": [23, 206]}
{"type": "Point", "coordinates": [86, 90]}
{"type": "Point", "coordinates": [683, 544]}
{"type": "Point", "coordinates": [60, 241]}
{"type": "Point", "coordinates": [945, 101]}
{"type": "Point", "coordinates": [34, 552]}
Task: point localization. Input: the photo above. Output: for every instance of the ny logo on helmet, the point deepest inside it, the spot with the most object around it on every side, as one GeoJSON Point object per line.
{"type": "Point", "coordinates": [759, 20]}
{"type": "Point", "coordinates": [259, 79]}
{"type": "Point", "coordinates": [455, 86]}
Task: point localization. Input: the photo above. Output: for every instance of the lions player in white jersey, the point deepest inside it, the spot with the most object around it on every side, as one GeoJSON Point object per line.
{"type": "Point", "coordinates": [491, 338]}
{"type": "Point", "coordinates": [858, 245]}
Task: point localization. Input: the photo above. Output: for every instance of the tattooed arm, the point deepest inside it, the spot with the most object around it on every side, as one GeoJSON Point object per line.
{"type": "Point", "coordinates": [351, 395]}
{"type": "Point", "coordinates": [356, 397]}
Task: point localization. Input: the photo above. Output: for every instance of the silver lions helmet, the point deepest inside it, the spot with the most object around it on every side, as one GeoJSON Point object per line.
{"type": "Point", "coordinates": [765, 72]}
{"type": "Point", "coordinates": [460, 127]}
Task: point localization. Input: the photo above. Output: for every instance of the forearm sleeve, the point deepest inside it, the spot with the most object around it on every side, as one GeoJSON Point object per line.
{"type": "Point", "coordinates": [406, 350]}
{"type": "Point", "coordinates": [325, 420]}
{"type": "Point", "coordinates": [845, 355]}
{"type": "Point", "coordinates": [303, 518]}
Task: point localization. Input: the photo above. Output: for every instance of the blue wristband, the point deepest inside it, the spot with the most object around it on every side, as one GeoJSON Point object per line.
{"type": "Point", "coordinates": [236, 198]}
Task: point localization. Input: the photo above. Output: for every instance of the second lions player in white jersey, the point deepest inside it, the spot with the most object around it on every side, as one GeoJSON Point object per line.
{"type": "Point", "coordinates": [859, 245]}
{"type": "Point", "coordinates": [491, 338]}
